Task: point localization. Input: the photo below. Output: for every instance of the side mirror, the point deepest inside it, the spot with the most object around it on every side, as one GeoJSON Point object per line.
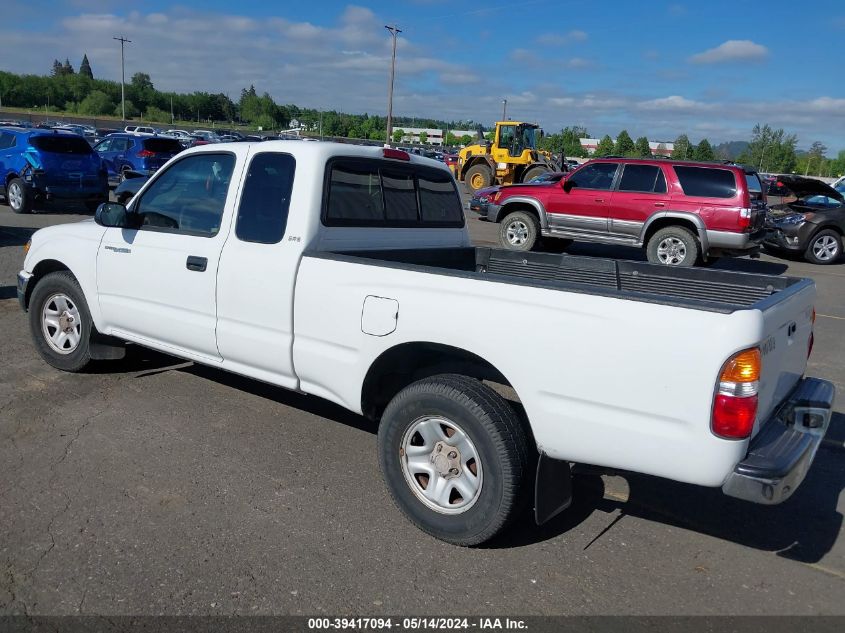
{"type": "Point", "coordinates": [567, 185]}
{"type": "Point", "coordinates": [113, 215]}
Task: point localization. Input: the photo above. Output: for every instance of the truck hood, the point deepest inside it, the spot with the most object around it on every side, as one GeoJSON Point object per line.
{"type": "Point", "coordinates": [84, 230]}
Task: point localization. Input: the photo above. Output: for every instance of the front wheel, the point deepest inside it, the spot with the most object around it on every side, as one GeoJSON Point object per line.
{"type": "Point", "coordinates": [519, 231]}
{"type": "Point", "coordinates": [673, 246]}
{"type": "Point", "coordinates": [60, 322]}
{"type": "Point", "coordinates": [825, 247]}
{"type": "Point", "coordinates": [455, 458]}
{"type": "Point", "coordinates": [478, 177]}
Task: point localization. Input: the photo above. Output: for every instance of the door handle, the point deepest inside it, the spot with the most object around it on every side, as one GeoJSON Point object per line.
{"type": "Point", "coordinates": [659, 204]}
{"type": "Point", "coordinates": [198, 264]}
{"type": "Point", "coordinates": [599, 199]}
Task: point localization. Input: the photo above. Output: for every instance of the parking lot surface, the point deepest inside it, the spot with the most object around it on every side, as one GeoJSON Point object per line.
{"type": "Point", "coordinates": [157, 486]}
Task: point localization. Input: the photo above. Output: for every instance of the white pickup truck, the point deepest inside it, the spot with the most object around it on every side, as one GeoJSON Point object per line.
{"type": "Point", "coordinates": [347, 273]}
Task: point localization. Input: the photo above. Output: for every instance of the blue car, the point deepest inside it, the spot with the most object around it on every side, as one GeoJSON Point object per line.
{"type": "Point", "coordinates": [43, 165]}
{"type": "Point", "coordinates": [140, 153]}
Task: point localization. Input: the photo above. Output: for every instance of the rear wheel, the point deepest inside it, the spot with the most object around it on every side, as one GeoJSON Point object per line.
{"type": "Point", "coordinates": [533, 173]}
{"type": "Point", "coordinates": [455, 458]}
{"type": "Point", "coordinates": [18, 196]}
{"type": "Point", "coordinates": [825, 247]}
{"type": "Point", "coordinates": [478, 177]}
{"type": "Point", "coordinates": [673, 246]}
{"type": "Point", "coordinates": [519, 231]}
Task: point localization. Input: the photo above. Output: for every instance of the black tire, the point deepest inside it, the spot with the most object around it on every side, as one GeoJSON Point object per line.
{"type": "Point", "coordinates": [480, 175]}
{"type": "Point", "coordinates": [533, 173]}
{"type": "Point", "coordinates": [64, 284]}
{"type": "Point", "coordinates": [824, 248]}
{"type": "Point", "coordinates": [519, 231]}
{"type": "Point", "coordinates": [682, 244]}
{"type": "Point", "coordinates": [18, 197]}
{"type": "Point", "coordinates": [500, 442]}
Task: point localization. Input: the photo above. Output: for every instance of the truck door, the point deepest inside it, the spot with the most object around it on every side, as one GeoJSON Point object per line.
{"type": "Point", "coordinates": [158, 282]}
{"type": "Point", "coordinates": [640, 194]}
{"type": "Point", "coordinates": [257, 275]}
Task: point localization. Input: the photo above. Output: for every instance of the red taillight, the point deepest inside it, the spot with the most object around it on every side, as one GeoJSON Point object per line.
{"type": "Point", "coordinates": [744, 218]}
{"type": "Point", "coordinates": [398, 154]}
{"type": "Point", "coordinates": [145, 153]}
{"type": "Point", "coordinates": [735, 402]}
{"type": "Point", "coordinates": [734, 417]}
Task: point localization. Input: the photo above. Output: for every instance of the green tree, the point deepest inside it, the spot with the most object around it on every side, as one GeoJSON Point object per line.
{"type": "Point", "coordinates": [704, 151]}
{"type": "Point", "coordinates": [67, 69]}
{"type": "Point", "coordinates": [815, 158]}
{"type": "Point", "coordinates": [642, 148]}
{"type": "Point", "coordinates": [397, 135]}
{"type": "Point", "coordinates": [96, 103]}
{"type": "Point", "coordinates": [141, 81]}
{"type": "Point", "coordinates": [605, 146]}
{"type": "Point", "coordinates": [85, 68]}
{"type": "Point", "coordinates": [57, 68]}
{"type": "Point", "coordinates": [466, 139]}
{"type": "Point", "coordinates": [423, 137]}
{"type": "Point", "coordinates": [131, 110]}
{"type": "Point", "coordinates": [682, 148]}
{"type": "Point", "coordinates": [624, 145]}
{"type": "Point", "coordinates": [157, 115]}
{"type": "Point", "coordinates": [770, 150]}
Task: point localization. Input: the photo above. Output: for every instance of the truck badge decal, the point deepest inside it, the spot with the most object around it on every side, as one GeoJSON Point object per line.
{"type": "Point", "coordinates": [768, 345]}
{"type": "Point", "coordinates": [118, 249]}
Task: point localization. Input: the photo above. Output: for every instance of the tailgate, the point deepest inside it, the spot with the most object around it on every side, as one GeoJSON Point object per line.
{"type": "Point", "coordinates": [787, 327]}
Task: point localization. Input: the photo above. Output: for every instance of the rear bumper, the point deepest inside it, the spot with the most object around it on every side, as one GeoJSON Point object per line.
{"type": "Point", "coordinates": [783, 450]}
{"type": "Point", "coordinates": [729, 243]}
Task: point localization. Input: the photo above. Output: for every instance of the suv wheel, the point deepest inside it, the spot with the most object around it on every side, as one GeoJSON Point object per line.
{"type": "Point", "coordinates": [18, 196]}
{"type": "Point", "coordinates": [673, 246]}
{"type": "Point", "coordinates": [519, 231]}
{"type": "Point", "coordinates": [825, 247]}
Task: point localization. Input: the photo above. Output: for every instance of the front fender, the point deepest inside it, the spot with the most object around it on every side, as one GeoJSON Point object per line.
{"type": "Point", "coordinates": [503, 210]}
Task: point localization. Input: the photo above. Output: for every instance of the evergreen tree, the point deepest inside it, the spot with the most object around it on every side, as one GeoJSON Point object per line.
{"type": "Point", "coordinates": [605, 146]}
{"type": "Point", "coordinates": [624, 145]}
{"type": "Point", "coordinates": [67, 69]}
{"type": "Point", "coordinates": [85, 67]}
{"type": "Point", "coordinates": [642, 147]}
{"type": "Point", "coordinates": [704, 151]}
{"type": "Point", "coordinates": [57, 68]}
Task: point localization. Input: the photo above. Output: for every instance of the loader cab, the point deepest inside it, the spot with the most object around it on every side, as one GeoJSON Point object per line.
{"type": "Point", "coordinates": [516, 138]}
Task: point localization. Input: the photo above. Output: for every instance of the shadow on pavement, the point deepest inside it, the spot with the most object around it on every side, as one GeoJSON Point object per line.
{"type": "Point", "coordinates": [8, 292]}
{"type": "Point", "coordinates": [804, 528]}
{"type": "Point", "coordinates": [15, 235]}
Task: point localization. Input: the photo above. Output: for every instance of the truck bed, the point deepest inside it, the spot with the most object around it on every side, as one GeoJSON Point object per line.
{"type": "Point", "coordinates": [695, 288]}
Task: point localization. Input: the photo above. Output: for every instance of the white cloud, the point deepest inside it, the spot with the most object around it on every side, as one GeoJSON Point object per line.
{"type": "Point", "coordinates": [561, 39]}
{"type": "Point", "coordinates": [732, 50]}
{"type": "Point", "coordinates": [674, 102]}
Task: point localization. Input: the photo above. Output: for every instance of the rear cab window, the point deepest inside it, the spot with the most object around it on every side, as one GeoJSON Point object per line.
{"type": "Point", "coordinates": [61, 144]}
{"type": "Point", "coordinates": [706, 182]}
{"type": "Point", "coordinates": [380, 193]}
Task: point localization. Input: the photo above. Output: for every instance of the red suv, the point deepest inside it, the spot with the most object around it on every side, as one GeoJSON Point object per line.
{"type": "Point", "coordinates": [680, 212]}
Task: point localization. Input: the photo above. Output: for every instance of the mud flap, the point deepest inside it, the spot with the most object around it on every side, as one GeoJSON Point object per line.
{"type": "Point", "coordinates": [104, 347]}
{"type": "Point", "coordinates": [552, 488]}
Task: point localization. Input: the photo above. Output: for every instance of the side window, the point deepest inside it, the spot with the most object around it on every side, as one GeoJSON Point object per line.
{"type": "Point", "coordinates": [7, 140]}
{"type": "Point", "coordinates": [355, 194]}
{"type": "Point", "coordinates": [706, 182]}
{"type": "Point", "coordinates": [265, 201]}
{"type": "Point", "coordinates": [104, 146]}
{"type": "Point", "coordinates": [642, 178]}
{"type": "Point", "coordinates": [594, 176]}
{"type": "Point", "coordinates": [439, 201]}
{"type": "Point", "coordinates": [188, 197]}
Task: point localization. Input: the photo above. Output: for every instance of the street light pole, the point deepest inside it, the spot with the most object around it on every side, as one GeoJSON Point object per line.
{"type": "Point", "coordinates": [394, 31]}
{"type": "Point", "coordinates": [122, 41]}
{"type": "Point", "coordinates": [504, 109]}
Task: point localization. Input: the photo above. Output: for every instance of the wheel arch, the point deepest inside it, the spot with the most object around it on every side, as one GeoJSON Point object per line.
{"type": "Point", "coordinates": [523, 203]}
{"type": "Point", "coordinates": [41, 270]}
{"type": "Point", "coordinates": [675, 218]}
{"type": "Point", "coordinates": [405, 363]}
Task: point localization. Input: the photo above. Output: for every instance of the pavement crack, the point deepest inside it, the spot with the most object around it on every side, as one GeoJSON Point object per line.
{"type": "Point", "coordinates": [82, 601]}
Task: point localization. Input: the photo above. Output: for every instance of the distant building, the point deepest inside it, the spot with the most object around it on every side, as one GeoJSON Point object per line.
{"type": "Point", "coordinates": [658, 148]}
{"type": "Point", "coordinates": [412, 135]}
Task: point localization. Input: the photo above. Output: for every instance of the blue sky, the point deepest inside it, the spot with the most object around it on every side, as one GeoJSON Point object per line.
{"type": "Point", "coordinates": [657, 68]}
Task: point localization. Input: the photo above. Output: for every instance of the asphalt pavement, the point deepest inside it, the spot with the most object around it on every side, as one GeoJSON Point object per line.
{"type": "Point", "coordinates": [157, 486]}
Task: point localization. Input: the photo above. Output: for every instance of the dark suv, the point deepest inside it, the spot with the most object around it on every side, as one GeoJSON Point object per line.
{"type": "Point", "coordinates": [140, 153]}
{"type": "Point", "coordinates": [680, 212]}
{"type": "Point", "coordinates": [40, 165]}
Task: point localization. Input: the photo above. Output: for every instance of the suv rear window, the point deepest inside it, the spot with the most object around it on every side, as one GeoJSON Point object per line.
{"type": "Point", "coordinates": [61, 144]}
{"type": "Point", "coordinates": [380, 193]}
{"type": "Point", "coordinates": [164, 145]}
{"type": "Point", "coordinates": [755, 187]}
{"type": "Point", "coordinates": [705, 182]}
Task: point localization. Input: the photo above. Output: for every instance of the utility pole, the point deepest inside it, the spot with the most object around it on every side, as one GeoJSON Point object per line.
{"type": "Point", "coordinates": [122, 41]}
{"type": "Point", "coordinates": [504, 109]}
{"type": "Point", "coordinates": [394, 31]}
{"type": "Point", "coordinates": [172, 120]}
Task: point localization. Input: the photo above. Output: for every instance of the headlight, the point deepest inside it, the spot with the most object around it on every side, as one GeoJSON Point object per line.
{"type": "Point", "coordinates": [790, 220]}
